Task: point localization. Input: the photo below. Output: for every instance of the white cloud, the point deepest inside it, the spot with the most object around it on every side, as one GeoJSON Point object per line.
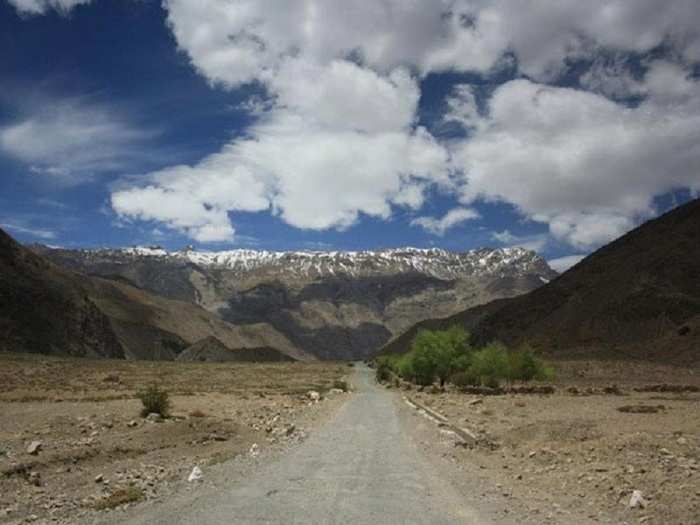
{"type": "Point", "coordinates": [579, 162]}
{"type": "Point", "coordinates": [71, 140]}
{"type": "Point", "coordinates": [38, 233]}
{"type": "Point", "coordinates": [337, 138]}
{"type": "Point", "coordinates": [313, 177]}
{"type": "Point", "coordinates": [536, 242]}
{"type": "Point", "coordinates": [38, 7]}
{"type": "Point", "coordinates": [194, 201]}
{"type": "Point", "coordinates": [236, 42]}
{"type": "Point", "coordinates": [561, 264]}
{"type": "Point", "coordinates": [452, 218]}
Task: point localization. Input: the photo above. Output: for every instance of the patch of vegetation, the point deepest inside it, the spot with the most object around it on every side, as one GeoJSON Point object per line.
{"type": "Point", "coordinates": [341, 385]}
{"type": "Point", "coordinates": [154, 400]}
{"type": "Point", "coordinates": [119, 497]}
{"type": "Point", "coordinates": [447, 355]}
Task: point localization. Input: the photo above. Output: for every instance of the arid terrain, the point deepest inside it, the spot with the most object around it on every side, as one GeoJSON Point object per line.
{"type": "Point", "coordinates": [577, 455]}
{"type": "Point", "coordinates": [96, 453]}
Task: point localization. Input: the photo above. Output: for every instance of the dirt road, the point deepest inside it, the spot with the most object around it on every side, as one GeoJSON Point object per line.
{"type": "Point", "coordinates": [358, 468]}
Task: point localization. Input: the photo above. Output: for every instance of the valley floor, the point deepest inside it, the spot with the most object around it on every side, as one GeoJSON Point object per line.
{"type": "Point", "coordinates": [573, 456]}
{"type": "Point", "coordinates": [97, 453]}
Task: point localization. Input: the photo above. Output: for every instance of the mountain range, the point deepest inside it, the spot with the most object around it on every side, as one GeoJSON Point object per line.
{"type": "Point", "coordinates": [324, 305]}
{"type": "Point", "coordinates": [637, 297]}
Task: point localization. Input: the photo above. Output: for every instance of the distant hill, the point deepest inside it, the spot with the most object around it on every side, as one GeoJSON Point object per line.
{"type": "Point", "coordinates": [51, 310]}
{"type": "Point", "coordinates": [211, 350]}
{"type": "Point", "coordinates": [639, 297]}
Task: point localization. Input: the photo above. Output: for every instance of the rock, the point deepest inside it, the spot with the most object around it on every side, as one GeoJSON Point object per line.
{"type": "Point", "coordinates": [34, 447]}
{"type": "Point", "coordinates": [254, 450]}
{"type": "Point", "coordinates": [682, 441]}
{"type": "Point", "coordinates": [154, 417]}
{"type": "Point", "coordinates": [313, 395]}
{"type": "Point", "coordinates": [195, 475]}
{"type": "Point", "coordinates": [133, 423]}
{"type": "Point", "coordinates": [99, 478]}
{"type": "Point", "coordinates": [290, 430]}
{"type": "Point", "coordinates": [637, 500]}
{"type": "Point", "coordinates": [35, 479]}
{"type": "Point", "coordinates": [476, 401]}
{"type": "Point", "coordinates": [336, 391]}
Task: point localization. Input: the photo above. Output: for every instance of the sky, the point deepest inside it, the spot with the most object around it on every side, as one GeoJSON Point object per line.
{"type": "Point", "coordinates": [346, 125]}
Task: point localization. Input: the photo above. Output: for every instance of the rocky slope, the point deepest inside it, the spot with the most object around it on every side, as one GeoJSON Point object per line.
{"type": "Point", "coordinates": [44, 309]}
{"type": "Point", "coordinates": [639, 296]}
{"type": "Point", "coordinates": [333, 305]}
{"type": "Point", "coordinates": [211, 350]}
{"type": "Point", "coordinates": [51, 310]}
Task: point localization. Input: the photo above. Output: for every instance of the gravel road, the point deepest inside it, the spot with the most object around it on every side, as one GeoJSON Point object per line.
{"type": "Point", "coordinates": [358, 468]}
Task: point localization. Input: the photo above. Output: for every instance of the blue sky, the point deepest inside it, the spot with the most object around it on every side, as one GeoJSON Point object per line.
{"type": "Point", "coordinates": [345, 125]}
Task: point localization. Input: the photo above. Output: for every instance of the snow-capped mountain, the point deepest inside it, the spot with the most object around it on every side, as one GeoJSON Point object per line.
{"type": "Point", "coordinates": [438, 263]}
{"type": "Point", "coordinates": [333, 304]}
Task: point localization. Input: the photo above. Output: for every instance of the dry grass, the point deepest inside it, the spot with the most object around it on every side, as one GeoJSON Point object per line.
{"type": "Point", "coordinates": [31, 378]}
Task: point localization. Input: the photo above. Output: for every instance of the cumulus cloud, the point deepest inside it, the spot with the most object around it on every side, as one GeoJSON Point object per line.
{"type": "Point", "coordinates": [70, 140]}
{"type": "Point", "coordinates": [536, 242]}
{"type": "Point", "coordinates": [313, 177]}
{"type": "Point", "coordinates": [337, 135]}
{"type": "Point", "coordinates": [38, 7]}
{"type": "Point", "coordinates": [339, 141]}
{"type": "Point", "coordinates": [583, 164]}
{"type": "Point", "coordinates": [561, 264]}
{"type": "Point", "coordinates": [233, 43]}
{"type": "Point", "coordinates": [452, 218]}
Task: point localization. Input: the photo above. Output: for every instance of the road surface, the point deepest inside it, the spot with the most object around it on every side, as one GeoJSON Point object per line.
{"type": "Point", "coordinates": [358, 468]}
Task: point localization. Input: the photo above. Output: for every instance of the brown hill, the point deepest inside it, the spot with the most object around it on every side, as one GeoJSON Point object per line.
{"type": "Point", "coordinates": [211, 350]}
{"type": "Point", "coordinates": [639, 296]}
{"type": "Point", "coordinates": [51, 310]}
{"type": "Point", "coordinates": [44, 309]}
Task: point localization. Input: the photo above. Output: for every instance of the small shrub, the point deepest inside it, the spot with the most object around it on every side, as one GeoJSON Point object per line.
{"type": "Point", "coordinates": [383, 370]}
{"type": "Point", "coordinates": [491, 381]}
{"type": "Point", "coordinates": [341, 385]}
{"type": "Point", "coordinates": [154, 400]}
{"type": "Point", "coordinates": [120, 497]}
{"type": "Point", "coordinates": [490, 364]}
{"type": "Point", "coordinates": [464, 379]}
{"type": "Point", "coordinates": [545, 373]}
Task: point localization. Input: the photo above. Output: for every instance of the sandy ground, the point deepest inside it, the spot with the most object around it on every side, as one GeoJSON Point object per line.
{"type": "Point", "coordinates": [574, 457]}
{"type": "Point", "coordinates": [97, 452]}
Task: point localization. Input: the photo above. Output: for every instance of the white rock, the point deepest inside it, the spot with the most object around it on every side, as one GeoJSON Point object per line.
{"type": "Point", "coordinates": [34, 447]}
{"type": "Point", "coordinates": [254, 450]}
{"type": "Point", "coordinates": [336, 391]}
{"type": "Point", "coordinates": [313, 395]}
{"type": "Point", "coordinates": [154, 417]}
{"type": "Point", "coordinates": [99, 478]}
{"type": "Point", "coordinates": [637, 500]}
{"type": "Point", "coordinates": [195, 475]}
